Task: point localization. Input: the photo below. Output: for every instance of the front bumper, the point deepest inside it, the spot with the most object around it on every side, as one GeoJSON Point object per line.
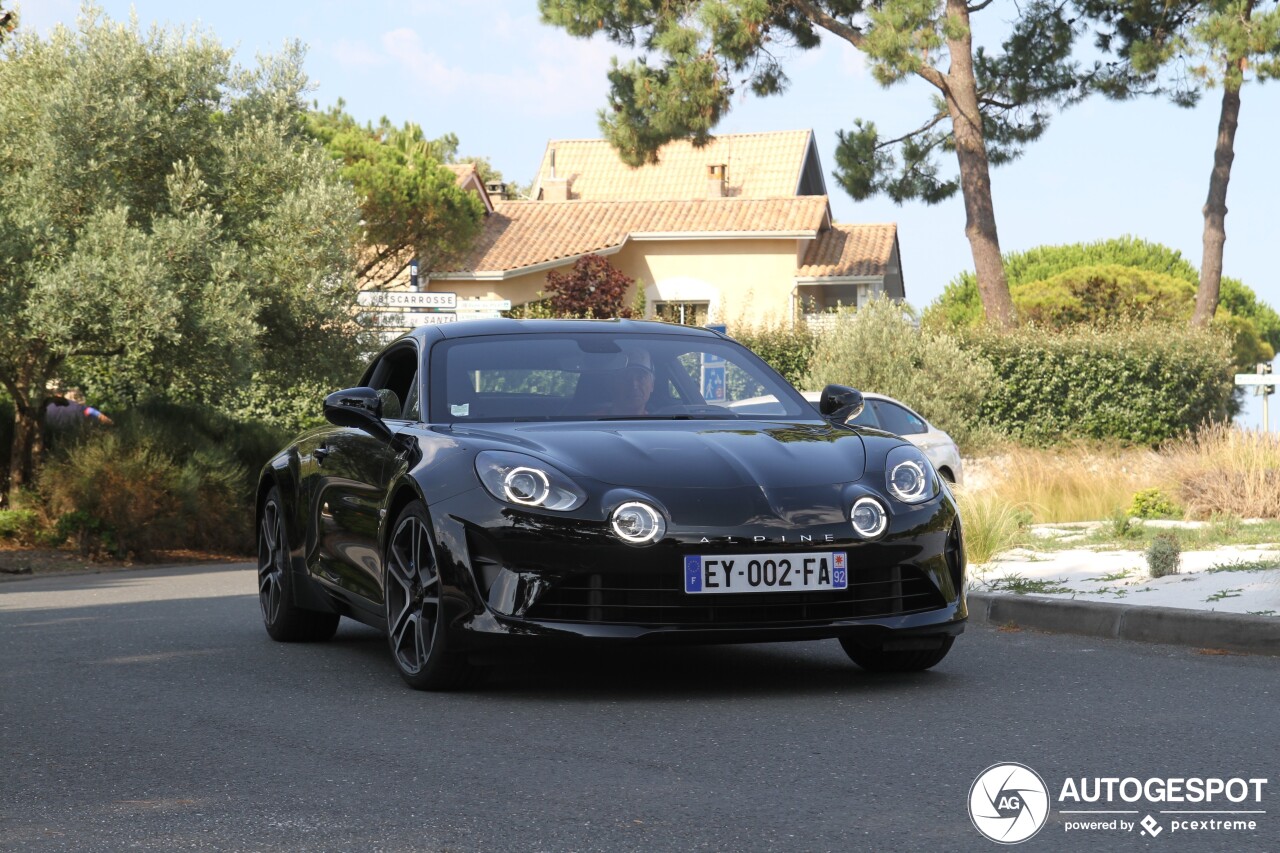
{"type": "Point", "coordinates": [521, 577]}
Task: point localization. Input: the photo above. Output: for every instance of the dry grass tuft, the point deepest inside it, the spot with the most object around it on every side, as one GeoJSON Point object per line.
{"type": "Point", "coordinates": [991, 525]}
{"type": "Point", "coordinates": [1225, 471]}
{"type": "Point", "coordinates": [1070, 483]}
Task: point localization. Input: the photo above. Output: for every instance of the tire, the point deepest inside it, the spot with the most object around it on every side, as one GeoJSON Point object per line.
{"type": "Point", "coordinates": [412, 595]}
{"type": "Point", "coordinates": [284, 621]}
{"type": "Point", "coordinates": [877, 659]}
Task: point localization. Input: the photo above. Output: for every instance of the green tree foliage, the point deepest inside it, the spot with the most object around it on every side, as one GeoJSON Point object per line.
{"type": "Point", "coordinates": [1192, 43]}
{"type": "Point", "coordinates": [987, 104]}
{"type": "Point", "coordinates": [1125, 278]}
{"type": "Point", "coordinates": [412, 206]}
{"type": "Point", "coordinates": [166, 231]}
{"type": "Point", "coordinates": [882, 349]}
{"type": "Point", "coordinates": [593, 287]}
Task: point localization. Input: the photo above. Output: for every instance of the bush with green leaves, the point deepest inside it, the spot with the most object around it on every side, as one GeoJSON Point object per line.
{"type": "Point", "coordinates": [165, 476]}
{"type": "Point", "coordinates": [20, 526]}
{"type": "Point", "coordinates": [788, 350]}
{"type": "Point", "coordinates": [1142, 384]}
{"type": "Point", "coordinates": [1164, 555]}
{"type": "Point", "coordinates": [1153, 503]}
{"type": "Point", "coordinates": [880, 348]}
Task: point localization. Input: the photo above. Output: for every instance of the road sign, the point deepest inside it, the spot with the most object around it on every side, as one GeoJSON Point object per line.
{"type": "Point", "coordinates": [1257, 379]}
{"type": "Point", "coordinates": [407, 299]}
{"type": "Point", "coordinates": [415, 319]}
{"type": "Point", "coordinates": [484, 305]}
{"type": "Point", "coordinates": [1267, 383]}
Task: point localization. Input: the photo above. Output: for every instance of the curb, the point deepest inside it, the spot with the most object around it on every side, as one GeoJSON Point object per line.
{"type": "Point", "coordinates": [1201, 629]}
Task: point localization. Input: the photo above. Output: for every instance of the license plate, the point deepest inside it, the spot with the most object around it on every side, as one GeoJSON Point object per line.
{"type": "Point", "coordinates": [804, 572]}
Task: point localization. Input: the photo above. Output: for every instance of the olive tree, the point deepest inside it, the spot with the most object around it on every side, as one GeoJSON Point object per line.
{"type": "Point", "coordinates": [166, 229]}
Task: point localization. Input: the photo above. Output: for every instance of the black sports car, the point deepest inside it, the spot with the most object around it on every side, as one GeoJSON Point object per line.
{"type": "Point", "coordinates": [515, 482]}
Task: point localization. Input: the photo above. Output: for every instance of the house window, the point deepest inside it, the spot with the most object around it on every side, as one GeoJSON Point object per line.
{"type": "Point", "coordinates": [684, 313]}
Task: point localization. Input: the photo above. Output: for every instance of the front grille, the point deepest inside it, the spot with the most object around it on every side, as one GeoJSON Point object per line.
{"type": "Point", "coordinates": [658, 598]}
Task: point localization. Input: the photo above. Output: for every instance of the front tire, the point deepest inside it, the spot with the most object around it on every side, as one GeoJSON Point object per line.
{"type": "Point", "coordinates": [412, 590]}
{"type": "Point", "coordinates": [284, 621]}
{"type": "Point", "coordinates": [876, 658]}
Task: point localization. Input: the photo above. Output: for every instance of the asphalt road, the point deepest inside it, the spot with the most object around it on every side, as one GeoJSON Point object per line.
{"type": "Point", "coordinates": [148, 710]}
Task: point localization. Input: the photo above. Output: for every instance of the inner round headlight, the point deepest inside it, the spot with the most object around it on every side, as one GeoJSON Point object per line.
{"type": "Point", "coordinates": [868, 517]}
{"type": "Point", "coordinates": [638, 523]}
{"type": "Point", "coordinates": [526, 486]}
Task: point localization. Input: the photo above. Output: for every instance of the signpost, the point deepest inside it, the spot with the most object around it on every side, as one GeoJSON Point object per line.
{"type": "Point", "coordinates": [1266, 384]}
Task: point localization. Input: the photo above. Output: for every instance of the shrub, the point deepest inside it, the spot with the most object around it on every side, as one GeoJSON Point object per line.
{"type": "Point", "coordinates": [1141, 384]}
{"type": "Point", "coordinates": [1222, 472]}
{"type": "Point", "coordinates": [881, 349]}
{"type": "Point", "coordinates": [1164, 555]}
{"type": "Point", "coordinates": [147, 487]}
{"type": "Point", "coordinates": [789, 351]}
{"type": "Point", "coordinates": [19, 525]}
{"type": "Point", "coordinates": [593, 287]}
{"type": "Point", "coordinates": [1152, 503]}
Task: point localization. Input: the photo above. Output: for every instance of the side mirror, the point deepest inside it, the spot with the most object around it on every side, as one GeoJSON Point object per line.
{"type": "Point", "coordinates": [840, 403]}
{"type": "Point", "coordinates": [357, 407]}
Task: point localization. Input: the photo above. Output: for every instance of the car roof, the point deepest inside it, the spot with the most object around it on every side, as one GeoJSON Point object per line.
{"type": "Point", "coordinates": [481, 328]}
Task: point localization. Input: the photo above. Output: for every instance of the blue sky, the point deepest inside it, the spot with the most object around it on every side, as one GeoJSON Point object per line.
{"type": "Point", "coordinates": [490, 72]}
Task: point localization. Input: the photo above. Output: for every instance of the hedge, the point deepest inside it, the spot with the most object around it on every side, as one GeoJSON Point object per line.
{"type": "Point", "coordinates": [1140, 384]}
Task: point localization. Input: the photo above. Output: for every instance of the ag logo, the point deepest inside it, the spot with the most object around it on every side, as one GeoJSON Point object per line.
{"type": "Point", "coordinates": [1008, 803]}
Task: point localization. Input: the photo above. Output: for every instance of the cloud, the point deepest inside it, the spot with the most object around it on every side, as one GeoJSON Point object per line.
{"type": "Point", "coordinates": [353, 55]}
{"type": "Point", "coordinates": [547, 72]}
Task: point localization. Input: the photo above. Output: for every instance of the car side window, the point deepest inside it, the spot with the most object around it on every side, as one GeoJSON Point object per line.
{"type": "Point", "coordinates": [395, 378]}
{"type": "Point", "coordinates": [898, 420]}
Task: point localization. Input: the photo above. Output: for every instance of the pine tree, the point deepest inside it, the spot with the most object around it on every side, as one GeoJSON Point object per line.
{"type": "Point", "coordinates": [987, 106]}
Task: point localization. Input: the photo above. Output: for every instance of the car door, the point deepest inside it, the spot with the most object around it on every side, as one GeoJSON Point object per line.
{"type": "Point", "coordinates": [353, 473]}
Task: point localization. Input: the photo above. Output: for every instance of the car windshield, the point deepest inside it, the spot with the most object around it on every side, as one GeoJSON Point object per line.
{"type": "Point", "coordinates": [602, 376]}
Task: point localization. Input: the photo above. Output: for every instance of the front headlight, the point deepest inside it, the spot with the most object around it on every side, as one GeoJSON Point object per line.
{"type": "Point", "coordinates": [909, 476]}
{"type": "Point", "coordinates": [526, 481]}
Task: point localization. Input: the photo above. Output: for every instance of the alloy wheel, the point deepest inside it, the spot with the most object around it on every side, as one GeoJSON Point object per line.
{"type": "Point", "coordinates": [271, 562]}
{"type": "Point", "coordinates": [413, 595]}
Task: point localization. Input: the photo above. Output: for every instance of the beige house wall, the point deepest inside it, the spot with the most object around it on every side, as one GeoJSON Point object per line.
{"type": "Point", "coordinates": [746, 282]}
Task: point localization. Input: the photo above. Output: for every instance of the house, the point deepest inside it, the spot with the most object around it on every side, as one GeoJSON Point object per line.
{"type": "Point", "coordinates": [736, 232]}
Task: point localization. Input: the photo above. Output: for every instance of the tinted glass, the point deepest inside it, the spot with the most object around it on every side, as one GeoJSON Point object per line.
{"type": "Point", "coordinates": [601, 376]}
{"type": "Point", "coordinates": [898, 420]}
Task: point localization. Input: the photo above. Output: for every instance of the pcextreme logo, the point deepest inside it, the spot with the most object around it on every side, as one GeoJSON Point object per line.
{"type": "Point", "coordinates": [1008, 803]}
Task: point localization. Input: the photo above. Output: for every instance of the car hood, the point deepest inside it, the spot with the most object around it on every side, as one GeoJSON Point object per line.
{"type": "Point", "coordinates": [691, 454]}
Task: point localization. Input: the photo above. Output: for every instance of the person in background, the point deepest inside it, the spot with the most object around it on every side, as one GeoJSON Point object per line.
{"type": "Point", "coordinates": [69, 409]}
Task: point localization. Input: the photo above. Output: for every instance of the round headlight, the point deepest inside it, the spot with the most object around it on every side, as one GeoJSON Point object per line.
{"type": "Point", "coordinates": [526, 486]}
{"type": "Point", "coordinates": [868, 517]}
{"type": "Point", "coordinates": [527, 481]}
{"type": "Point", "coordinates": [908, 481]}
{"type": "Point", "coordinates": [638, 523]}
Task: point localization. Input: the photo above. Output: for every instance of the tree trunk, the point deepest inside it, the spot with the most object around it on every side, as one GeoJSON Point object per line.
{"type": "Point", "coordinates": [24, 452]}
{"type": "Point", "coordinates": [961, 94]}
{"type": "Point", "coordinates": [1215, 206]}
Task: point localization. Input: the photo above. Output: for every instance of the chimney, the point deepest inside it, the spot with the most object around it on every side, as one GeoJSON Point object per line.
{"type": "Point", "coordinates": [496, 190]}
{"type": "Point", "coordinates": [716, 176]}
{"type": "Point", "coordinates": [555, 189]}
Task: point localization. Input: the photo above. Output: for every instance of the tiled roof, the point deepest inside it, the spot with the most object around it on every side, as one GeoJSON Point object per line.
{"type": "Point", "coordinates": [760, 165]}
{"type": "Point", "coordinates": [462, 170]}
{"type": "Point", "coordinates": [522, 234]}
{"type": "Point", "coordinates": [850, 250]}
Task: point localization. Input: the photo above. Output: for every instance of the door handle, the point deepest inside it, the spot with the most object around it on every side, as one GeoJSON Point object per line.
{"type": "Point", "coordinates": [320, 453]}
